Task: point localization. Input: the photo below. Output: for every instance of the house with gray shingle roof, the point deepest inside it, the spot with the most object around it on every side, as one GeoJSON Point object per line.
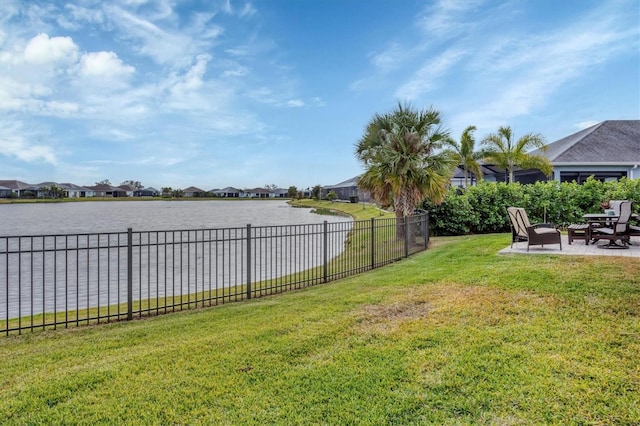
{"type": "Point", "coordinates": [146, 192]}
{"type": "Point", "coordinates": [193, 191]}
{"type": "Point", "coordinates": [106, 190]}
{"type": "Point", "coordinates": [608, 150]}
{"type": "Point", "coordinates": [75, 191]}
{"type": "Point", "coordinates": [346, 190]}
{"type": "Point", "coordinates": [228, 192]}
{"type": "Point", "coordinates": [5, 192]}
{"type": "Point", "coordinates": [16, 186]}
{"type": "Point", "coordinates": [257, 193]}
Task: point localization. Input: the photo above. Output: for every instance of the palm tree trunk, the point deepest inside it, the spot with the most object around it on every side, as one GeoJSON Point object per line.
{"type": "Point", "coordinates": [400, 219]}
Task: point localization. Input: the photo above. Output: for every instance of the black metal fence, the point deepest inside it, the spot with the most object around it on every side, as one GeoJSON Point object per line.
{"type": "Point", "coordinates": [48, 281]}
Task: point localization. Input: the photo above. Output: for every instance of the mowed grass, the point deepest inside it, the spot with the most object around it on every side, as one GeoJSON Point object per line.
{"type": "Point", "coordinates": [453, 335]}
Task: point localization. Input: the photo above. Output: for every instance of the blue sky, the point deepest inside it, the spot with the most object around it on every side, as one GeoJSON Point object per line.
{"type": "Point", "coordinates": [253, 93]}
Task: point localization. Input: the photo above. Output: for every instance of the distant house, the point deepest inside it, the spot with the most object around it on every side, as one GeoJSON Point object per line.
{"type": "Point", "coordinates": [488, 171]}
{"type": "Point", "coordinates": [609, 150]}
{"type": "Point", "coordinates": [104, 190]}
{"type": "Point", "coordinates": [17, 187]}
{"type": "Point", "coordinates": [228, 192]}
{"type": "Point", "coordinates": [258, 193]}
{"type": "Point", "coordinates": [193, 191]}
{"type": "Point", "coordinates": [74, 191]}
{"type": "Point", "coordinates": [345, 190]}
{"type": "Point", "coordinates": [128, 189]}
{"type": "Point", "coordinates": [280, 193]}
{"type": "Point", "coordinates": [146, 192]}
{"type": "Point", "coordinates": [21, 189]}
{"type": "Point", "coordinates": [69, 190]}
{"type": "Point", "coordinates": [5, 192]}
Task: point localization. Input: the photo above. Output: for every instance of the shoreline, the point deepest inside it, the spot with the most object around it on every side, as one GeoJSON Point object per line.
{"type": "Point", "coordinates": [109, 199]}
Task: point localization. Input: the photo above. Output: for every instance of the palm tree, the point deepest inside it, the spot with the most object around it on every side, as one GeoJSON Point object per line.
{"type": "Point", "coordinates": [465, 155]}
{"type": "Point", "coordinates": [404, 164]}
{"type": "Point", "coordinates": [501, 150]}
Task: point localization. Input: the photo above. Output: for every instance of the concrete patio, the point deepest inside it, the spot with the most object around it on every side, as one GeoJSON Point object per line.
{"type": "Point", "coordinates": [577, 248]}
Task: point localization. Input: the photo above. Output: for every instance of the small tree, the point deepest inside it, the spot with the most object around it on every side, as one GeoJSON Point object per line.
{"type": "Point", "coordinates": [45, 191]}
{"type": "Point", "coordinates": [56, 191]}
{"type": "Point", "coordinates": [292, 192]}
{"type": "Point", "coordinates": [465, 155]}
{"type": "Point", "coordinates": [501, 150]}
{"type": "Point", "coordinates": [331, 196]}
{"type": "Point", "coordinates": [133, 183]}
{"type": "Point", "coordinates": [404, 161]}
{"type": "Point", "coordinates": [167, 191]}
{"type": "Point", "coordinates": [104, 182]}
{"type": "Point", "coordinates": [315, 192]}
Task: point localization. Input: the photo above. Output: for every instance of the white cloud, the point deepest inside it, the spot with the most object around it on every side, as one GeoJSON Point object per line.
{"type": "Point", "coordinates": [13, 143]}
{"type": "Point", "coordinates": [61, 109]}
{"type": "Point", "coordinates": [449, 18]}
{"type": "Point", "coordinates": [247, 10]}
{"type": "Point", "coordinates": [104, 65]}
{"type": "Point", "coordinates": [426, 78]}
{"type": "Point", "coordinates": [185, 90]}
{"type": "Point", "coordinates": [75, 17]}
{"type": "Point", "coordinates": [237, 71]}
{"type": "Point", "coordinates": [44, 50]}
{"type": "Point", "coordinates": [163, 46]}
{"type": "Point", "coordinates": [295, 103]}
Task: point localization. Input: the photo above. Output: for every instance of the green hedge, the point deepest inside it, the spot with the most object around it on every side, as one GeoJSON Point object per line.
{"type": "Point", "coordinates": [482, 208]}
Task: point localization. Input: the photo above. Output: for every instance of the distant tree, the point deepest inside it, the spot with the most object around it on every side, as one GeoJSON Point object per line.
{"type": "Point", "coordinates": [55, 191]}
{"type": "Point", "coordinates": [315, 192]}
{"type": "Point", "coordinates": [501, 150]}
{"type": "Point", "coordinates": [133, 183]}
{"type": "Point", "coordinates": [300, 195]}
{"type": "Point", "coordinates": [167, 191]}
{"type": "Point", "coordinates": [177, 193]}
{"type": "Point", "coordinates": [104, 182]}
{"type": "Point", "coordinates": [292, 192]}
{"type": "Point", "coordinates": [271, 187]}
{"type": "Point", "coordinates": [331, 196]}
{"type": "Point", "coordinates": [45, 191]}
{"type": "Point", "coordinates": [464, 153]}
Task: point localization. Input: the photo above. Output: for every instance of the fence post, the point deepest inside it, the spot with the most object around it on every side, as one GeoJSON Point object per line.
{"type": "Point", "coordinates": [129, 274]}
{"type": "Point", "coordinates": [373, 243]}
{"type": "Point", "coordinates": [249, 261]}
{"type": "Point", "coordinates": [425, 229]}
{"type": "Point", "coordinates": [325, 252]}
{"type": "Point", "coordinates": [406, 235]}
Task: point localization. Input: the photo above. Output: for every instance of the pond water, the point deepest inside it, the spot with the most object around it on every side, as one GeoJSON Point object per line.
{"type": "Point", "coordinates": [117, 216]}
{"type": "Point", "coordinates": [45, 266]}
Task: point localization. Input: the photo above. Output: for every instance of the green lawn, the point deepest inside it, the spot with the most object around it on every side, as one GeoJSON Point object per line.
{"type": "Point", "coordinates": [454, 335]}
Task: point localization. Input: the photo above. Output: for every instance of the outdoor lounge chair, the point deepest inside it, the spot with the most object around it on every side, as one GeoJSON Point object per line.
{"type": "Point", "coordinates": [537, 234]}
{"type": "Point", "coordinates": [617, 230]}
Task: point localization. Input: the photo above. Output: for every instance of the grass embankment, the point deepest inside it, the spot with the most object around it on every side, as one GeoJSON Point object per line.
{"type": "Point", "coordinates": [358, 211]}
{"type": "Point", "coordinates": [454, 335]}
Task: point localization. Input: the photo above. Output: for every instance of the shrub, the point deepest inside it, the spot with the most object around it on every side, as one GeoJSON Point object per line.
{"type": "Point", "coordinates": [451, 217]}
{"type": "Point", "coordinates": [482, 208]}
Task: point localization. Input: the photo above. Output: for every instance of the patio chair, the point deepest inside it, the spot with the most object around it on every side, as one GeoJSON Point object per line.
{"type": "Point", "coordinates": [537, 234]}
{"type": "Point", "coordinates": [618, 229]}
{"type": "Point", "coordinates": [634, 231]}
{"type": "Point", "coordinates": [615, 205]}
